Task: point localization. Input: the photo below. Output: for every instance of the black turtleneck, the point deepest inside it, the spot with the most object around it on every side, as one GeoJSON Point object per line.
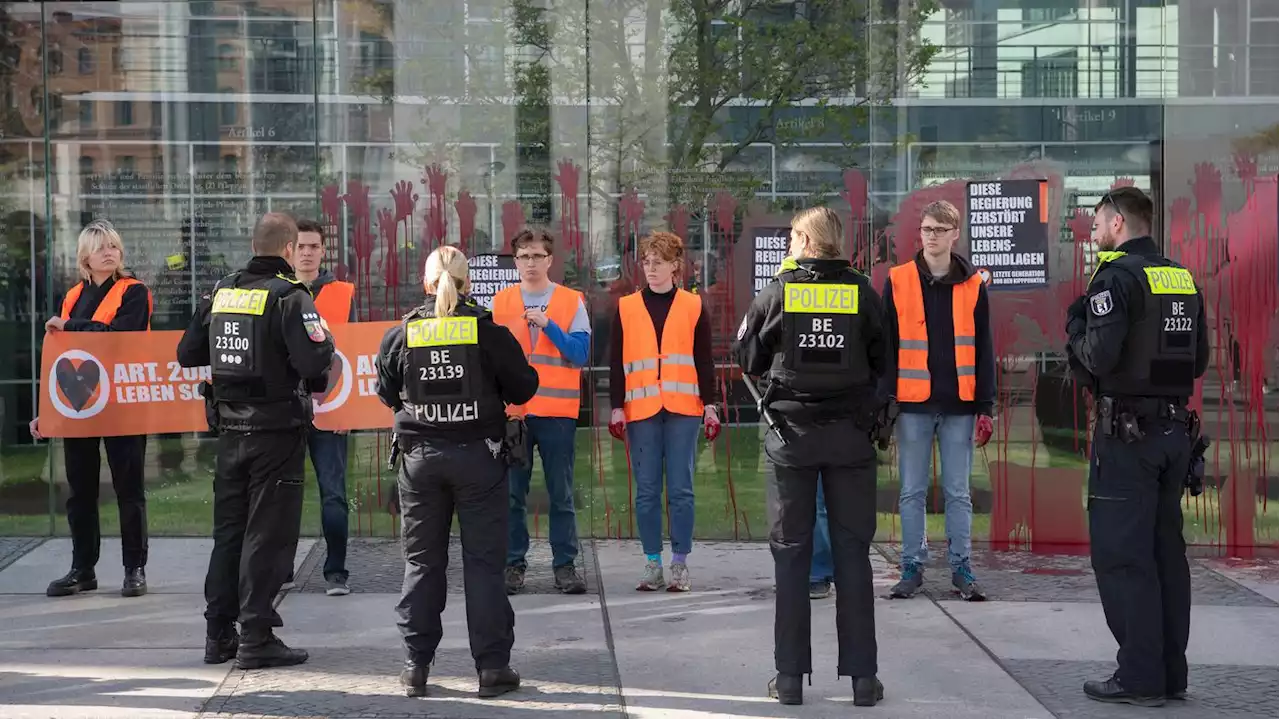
{"type": "Point", "coordinates": [659, 304]}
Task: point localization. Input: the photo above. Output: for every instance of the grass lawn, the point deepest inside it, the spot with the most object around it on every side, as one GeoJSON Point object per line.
{"type": "Point", "coordinates": [728, 484]}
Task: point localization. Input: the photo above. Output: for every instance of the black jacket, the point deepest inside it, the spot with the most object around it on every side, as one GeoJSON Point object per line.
{"type": "Point", "coordinates": [325, 277]}
{"type": "Point", "coordinates": [133, 315]}
{"type": "Point", "coordinates": [307, 358]}
{"type": "Point", "coordinates": [944, 395]}
{"type": "Point", "coordinates": [502, 362]}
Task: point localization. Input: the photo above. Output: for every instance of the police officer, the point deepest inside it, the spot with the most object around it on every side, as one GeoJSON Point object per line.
{"type": "Point", "coordinates": [816, 333]}
{"type": "Point", "coordinates": [1139, 331]}
{"type": "Point", "coordinates": [268, 349]}
{"type": "Point", "coordinates": [447, 369]}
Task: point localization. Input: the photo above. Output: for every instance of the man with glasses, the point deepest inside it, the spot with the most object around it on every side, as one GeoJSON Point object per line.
{"type": "Point", "coordinates": [1139, 331]}
{"type": "Point", "coordinates": [943, 376]}
{"type": "Point", "coordinates": [551, 323]}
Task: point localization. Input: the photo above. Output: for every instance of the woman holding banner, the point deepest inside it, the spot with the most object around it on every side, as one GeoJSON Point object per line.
{"type": "Point", "coordinates": [449, 371]}
{"type": "Point", "coordinates": [105, 300]}
{"type": "Point", "coordinates": [662, 388]}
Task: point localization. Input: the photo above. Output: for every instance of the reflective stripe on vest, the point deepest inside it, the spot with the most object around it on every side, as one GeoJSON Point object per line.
{"type": "Point", "coordinates": [110, 304]}
{"type": "Point", "coordinates": [559, 381]}
{"type": "Point", "coordinates": [914, 382]}
{"type": "Point", "coordinates": [659, 378]}
{"type": "Point", "coordinates": [333, 302]}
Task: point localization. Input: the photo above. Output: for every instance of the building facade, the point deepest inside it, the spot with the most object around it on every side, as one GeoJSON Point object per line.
{"type": "Point", "coordinates": [461, 121]}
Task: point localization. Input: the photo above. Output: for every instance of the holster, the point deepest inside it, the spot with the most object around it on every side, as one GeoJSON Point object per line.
{"type": "Point", "coordinates": [1116, 420]}
{"type": "Point", "coordinates": [1199, 445]}
{"type": "Point", "coordinates": [515, 444]}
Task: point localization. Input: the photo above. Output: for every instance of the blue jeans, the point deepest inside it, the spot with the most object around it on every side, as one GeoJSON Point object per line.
{"type": "Point", "coordinates": [915, 435]}
{"type": "Point", "coordinates": [821, 568]}
{"type": "Point", "coordinates": [553, 436]}
{"type": "Point", "coordinates": [667, 442]}
{"type": "Point", "coordinates": [329, 458]}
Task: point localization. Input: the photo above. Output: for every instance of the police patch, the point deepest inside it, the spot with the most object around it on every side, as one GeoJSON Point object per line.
{"type": "Point", "coordinates": [314, 331]}
{"type": "Point", "coordinates": [742, 329]}
{"type": "Point", "coordinates": [1101, 303]}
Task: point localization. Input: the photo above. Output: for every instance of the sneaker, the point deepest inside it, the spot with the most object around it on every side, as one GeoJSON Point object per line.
{"type": "Point", "coordinates": [964, 583]}
{"type": "Point", "coordinates": [912, 580]}
{"type": "Point", "coordinates": [568, 581]}
{"type": "Point", "coordinates": [820, 589]}
{"type": "Point", "coordinates": [514, 579]}
{"type": "Point", "coordinates": [651, 580]}
{"type": "Point", "coordinates": [337, 587]}
{"type": "Point", "coordinates": [679, 578]}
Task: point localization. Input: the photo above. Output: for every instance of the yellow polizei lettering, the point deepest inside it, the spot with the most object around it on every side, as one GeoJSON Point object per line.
{"type": "Point", "coordinates": [1170, 281]}
{"type": "Point", "coordinates": [817, 298]}
{"type": "Point", "coordinates": [235, 301]}
{"type": "Point", "coordinates": [441, 332]}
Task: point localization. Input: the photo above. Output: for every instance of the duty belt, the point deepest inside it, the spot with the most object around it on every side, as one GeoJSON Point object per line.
{"type": "Point", "coordinates": [1170, 408]}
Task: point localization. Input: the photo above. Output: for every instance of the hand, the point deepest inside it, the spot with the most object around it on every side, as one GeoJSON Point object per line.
{"type": "Point", "coordinates": [983, 431]}
{"type": "Point", "coordinates": [711, 420]}
{"type": "Point", "coordinates": [35, 428]}
{"type": "Point", "coordinates": [538, 317]}
{"type": "Point", "coordinates": [1076, 326]}
{"type": "Point", "coordinates": [55, 324]}
{"type": "Point", "coordinates": [1075, 312]}
{"type": "Point", "coordinates": [618, 424]}
{"type": "Point", "coordinates": [341, 432]}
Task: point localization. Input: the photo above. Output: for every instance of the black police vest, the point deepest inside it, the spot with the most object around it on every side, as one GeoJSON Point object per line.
{"type": "Point", "coordinates": [822, 352]}
{"type": "Point", "coordinates": [1159, 358]}
{"type": "Point", "coordinates": [249, 365]}
{"type": "Point", "coordinates": [446, 386]}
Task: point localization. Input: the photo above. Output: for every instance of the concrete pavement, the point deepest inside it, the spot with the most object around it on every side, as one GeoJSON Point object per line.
{"type": "Point", "coordinates": [611, 652]}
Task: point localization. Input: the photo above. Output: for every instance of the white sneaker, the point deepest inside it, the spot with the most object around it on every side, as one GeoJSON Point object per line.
{"type": "Point", "coordinates": [337, 588]}
{"type": "Point", "coordinates": [651, 580]}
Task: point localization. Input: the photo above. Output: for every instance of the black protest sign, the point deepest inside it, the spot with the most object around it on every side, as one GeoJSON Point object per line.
{"type": "Point", "coordinates": [1008, 225]}
{"type": "Point", "coordinates": [769, 247]}
{"type": "Point", "coordinates": [491, 274]}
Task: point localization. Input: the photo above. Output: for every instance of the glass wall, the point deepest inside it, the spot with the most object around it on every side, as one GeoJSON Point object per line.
{"type": "Point", "coordinates": [402, 125]}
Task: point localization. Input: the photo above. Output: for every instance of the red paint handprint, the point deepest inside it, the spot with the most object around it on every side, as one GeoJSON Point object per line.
{"type": "Point", "coordinates": [678, 220]}
{"type": "Point", "coordinates": [1122, 182]}
{"type": "Point", "coordinates": [389, 230]}
{"type": "Point", "coordinates": [512, 222]}
{"type": "Point", "coordinates": [1081, 224]}
{"type": "Point", "coordinates": [630, 211]}
{"type": "Point", "coordinates": [466, 208]}
{"type": "Point", "coordinates": [406, 200]}
{"type": "Point", "coordinates": [723, 209]}
{"type": "Point", "coordinates": [855, 193]}
{"type": "Point", "coordinates": [1207, 189]}
{"type": "Point", "coordinates": [436, 180]}
{"type": "Point", "coordinates": [568, 177]}
{"type": "Point", "coordinates": [1246, 166]}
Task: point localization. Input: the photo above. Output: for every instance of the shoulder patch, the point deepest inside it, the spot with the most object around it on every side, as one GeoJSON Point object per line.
{"type": "Point", "coordinates": [315, 331]}
{"type": "Point", "coordinates": [742, 329]}
{"type": "Point", "coordinates": [1101, 303]}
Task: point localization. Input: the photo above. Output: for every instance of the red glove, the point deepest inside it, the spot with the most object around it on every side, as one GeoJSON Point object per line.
{"type": "Point", "coordinates": [618, 427]}
{"type": "Point", "coordinates": [983, 431]}
{"type": "Point", "coordinates": [711, 428]}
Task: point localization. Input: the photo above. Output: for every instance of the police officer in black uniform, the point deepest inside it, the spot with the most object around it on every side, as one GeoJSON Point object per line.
{"type": "Point", "coordinates": [816, 335]}
{"type": "Point", "coordinates": [1139, 331]}
{"type": "Point", "coordinates": [268, 349]}
{"type": "Point", "coordinates": [447, 371]}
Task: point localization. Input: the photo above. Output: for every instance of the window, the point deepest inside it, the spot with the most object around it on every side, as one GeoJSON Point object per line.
{"type": "Point", "coordinates": [53, 60]}
{"type": "Point", "coordinates": [1264, 55]}
{"type": "Point", "coordinates": [128, 164]}
{"type": "Point", "coordinates": [117, 59]}
{"type": "Point", "coordinates": [1049, 12]}
{"type": "Point", "coordinates": [230, 164]}
{"type": "Point", "coordinates": [959, 27]}
{"type": "Point", "coordinates": [1052, 76]}
{"type": "Point", "coordinates": [86, 166]}
{"type": "Point", "coordinates": [124, 113]}
{"type": "Point", "coordinates": [86, 114]}
{"type": "Point", "coordinates": [227, 112]}
{"type": "Point", "coordinates": [157, 113]}
{"type": "Point", "coordinates": [84, 61]}
{"type": "Point", "coordinates": [227, 56]}
{"type": "Point", "coordinates": [55, 111]}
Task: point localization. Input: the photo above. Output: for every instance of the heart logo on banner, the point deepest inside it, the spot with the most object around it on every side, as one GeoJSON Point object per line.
{"type": "Point", "coordinates": [78, 382]}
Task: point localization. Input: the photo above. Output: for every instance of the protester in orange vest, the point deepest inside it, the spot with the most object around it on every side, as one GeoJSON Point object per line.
{"type": "Point", "coordinates": [105, 300]}
{"type": "Point", "coordinates": [551, 324]}
{"type": "Point", "coordinates": [335, 302]}
{"type": "Point", "coordinates": [661, 381]}
{"type": "Point", "coordinates": [943, 374]}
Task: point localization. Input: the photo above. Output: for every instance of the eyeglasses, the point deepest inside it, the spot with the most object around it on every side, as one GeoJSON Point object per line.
{"type": "Point", "coordinates": [935, 231]}
{"type": "Point", "coordinates": [531, 259]}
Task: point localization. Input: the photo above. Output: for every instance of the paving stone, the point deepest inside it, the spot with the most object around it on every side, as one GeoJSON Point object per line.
{"type": "Point", "coordinates": [1216, 690]}
{"type": "Point", "coordinates": [363, 682]}
{"type": "Point", "coordinates": [12, 548]}
{"type": "Point", "coordinates": [1028, 577]}
{"type": "Point", "coordinates": [377, 566]}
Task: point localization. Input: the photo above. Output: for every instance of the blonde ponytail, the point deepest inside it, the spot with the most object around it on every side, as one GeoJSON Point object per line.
{"type": "Point", "coordinates": [446, 276]}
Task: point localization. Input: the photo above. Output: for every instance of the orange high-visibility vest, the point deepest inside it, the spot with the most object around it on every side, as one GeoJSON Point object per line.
{"type": "Point", "coordinates": [110, 304]}
{"type": "Point", "coordinates": [333, 302]}
{"type": "Point", "coordinates": [914, 383]}
{"type": "Point", "coordinates": [559, 382]}
{"type": "Point", "coordinates": [660, 380]}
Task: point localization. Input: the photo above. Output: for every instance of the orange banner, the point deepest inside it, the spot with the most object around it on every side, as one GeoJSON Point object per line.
{"type": "Point", "coordinates": [104, 384]}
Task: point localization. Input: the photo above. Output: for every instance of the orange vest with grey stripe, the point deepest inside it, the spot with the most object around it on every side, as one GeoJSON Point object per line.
{"type": "Point", "coordinates": [559, 383]}
{"type": "Point", "coordinates": [660, 378]}
{"type": "Point", "coordinates": [914, 382]}
{"type": "Point", "coordinates": [110, 304]}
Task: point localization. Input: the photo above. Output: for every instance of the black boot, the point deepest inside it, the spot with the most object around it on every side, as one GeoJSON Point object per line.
{"type": "Point", "coordinates": [787, 689]}
{"type": "Point", "coordinates": [1111, 691]}
{"type": "Point", "coordinates": [496, 682]}
{"type": "Point", "coordinates": [135, 583]}
{"type": "Point", "coordinates": [222, 647]}
{"type": "Point", "coordinates": [414, 679]}
{"type": "Point", "coordinates": [867, 691]}
{"type": "Point", "coordinates": [76, 581]}
{"type": "Point", "coordinates": [261, 649]}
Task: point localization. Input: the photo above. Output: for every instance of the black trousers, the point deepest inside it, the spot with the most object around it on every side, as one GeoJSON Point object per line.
{"type": "Point", "coordinates": [843, 459]}
{"type": "Point", "coordinates": [257, 513]}
{"type": "Point", "coordinates": [1138, 553]}
{"type": "Point", "coordinates": [84, 466]}
{"type": "Point", "coordinates": [437, 478]}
